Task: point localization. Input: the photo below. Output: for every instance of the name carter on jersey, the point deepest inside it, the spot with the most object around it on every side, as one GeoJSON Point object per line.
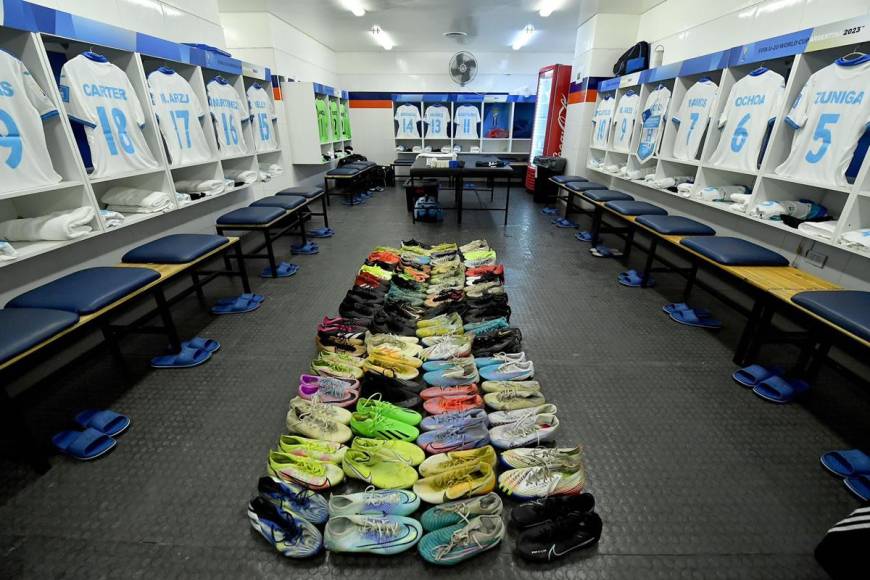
{"type": "Point", "coordinates": [93, 90]}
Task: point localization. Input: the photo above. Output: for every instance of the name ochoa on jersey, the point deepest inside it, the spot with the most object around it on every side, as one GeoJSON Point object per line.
{"type": "Point", "coordinates": [749, 100]}
{"type": "Point", "coordinates": [226, 103]}
{"type": "Point", "coordinates": [106, 91]}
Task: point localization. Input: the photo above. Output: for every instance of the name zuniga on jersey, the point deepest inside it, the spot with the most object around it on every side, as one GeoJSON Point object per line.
{"type": "Point", "coordinates": [840, 97]}
{"type": "Point", "coordinates": [92, 90]}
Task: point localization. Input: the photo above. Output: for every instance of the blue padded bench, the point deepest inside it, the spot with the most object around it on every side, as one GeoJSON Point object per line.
{"type": "Point", "coordinates": [733, 251]}
{"type": "Point", "coordinates": [310, 193]}
{"type": "Point", "coordinates": [286, 202]}
{"type": "Point", "coordinates": [846, 309]}
{"type": "Point", "coordinates": [605, 195]}
{"type": "Point", "coordinates": [86, 291]}
{"type": "Point", "coordinates": [357, 176]}
{"type": "Point", "coordinates": [674, 225]}
{"type": "Point", "coordinates": [256, 216]}
{"type": "Point", "coordinates": [632, 207]}
{"type": "Point", "coordinates": [567, 178]}
{"type": "Point", "coordinates": [579, 186]}
{"type": "Point", "coordinates": [306, 192]}
{"type": "Point", "coordinates": [175, 249]}
{"type": "Point", "coordinates": [25, 328]}
{"type": "Point", "coordinates": [664, 225]}
{"type": "Point", "coordinates": [274, 217]}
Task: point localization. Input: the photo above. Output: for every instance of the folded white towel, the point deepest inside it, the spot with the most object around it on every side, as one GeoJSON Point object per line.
{"type": "Point", "coordinates": [276, 169]}
{"type": "Point", "coordinates": [241, 175]}
{"type": "Point", "coordinates": [740, 197]}
{"type": "Point", "coordinates": [819, 229]}
{"type": "Point", "coordinates": [738, 207]}
{"type": "Point", "coordinates": [7, 252]}
{"type": "Point", "coordinates": [67, 224]}
{"type": "Point", "coordinates": [633, 173]}
{"type": "Point", "coordinates": [265, 176]}
{"type": "Point", "coordinates": [182, 199]}
{"type": "Point", "coordinates": [666, 182]}
{"type": "Point", "coordinates": [767, 210]}
{"type": "Point", "coordinates": [685, 189]}
{"type": "Point", "coordinates": [612, 168]}
{"type": "Point", "coordinates": [204, 186]}
{"type": "Point", "coordinates": [150, 201]}
{"type": "Point", "coordinates": [111, 218]}
{"type": "Point", "coordinates": [649, 177]}
{"type": "Point", "coordinates": [710, 194]}
{"type": "Point", "coordinates": [135, 209]}
{"type": "Point", "coordinates": [857, 239]}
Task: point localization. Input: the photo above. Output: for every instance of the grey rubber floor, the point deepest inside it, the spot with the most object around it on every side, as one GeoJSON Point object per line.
{"type": "Point", "coordinates": [694, 476]}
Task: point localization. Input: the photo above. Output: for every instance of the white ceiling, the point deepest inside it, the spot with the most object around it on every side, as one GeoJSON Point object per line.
{"type": "Point", "coordinates": [417, 25]}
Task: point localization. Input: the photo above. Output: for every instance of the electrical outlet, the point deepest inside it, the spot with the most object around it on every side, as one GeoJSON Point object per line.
{"type": "Point", "coordinates": [817, 259]}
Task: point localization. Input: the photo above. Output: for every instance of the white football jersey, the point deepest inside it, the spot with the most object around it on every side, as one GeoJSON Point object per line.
{"type": "Point", "coordinates": [408, 116]}
{"type": "Point", "coordinates": [693, 116]}
{"type": "Point", "coordinates": [437, 119]}
{"type": "Point", "coordinates": [262, 115]}
{"type": "Point", "coordinates": [100, 96]}
{"type": "Point", "coordinates": [228, 112]}
{"type": "Point", "coordinates": [179, 113]}
{"type": "Point", "coordinates": [829, 115]}
{"type": "Point", "coordinates": [653, 121]}
{"type": "Point", "coordinates": [623, 121]}
{"type": "Point", "coordinates": [601, 121]}
{"type": "Point", "coordinates": [751, 107]}
{"type": "Point", "coordinates": [24, 158]}
{"type": "Point", "coordinates": [466, 118]}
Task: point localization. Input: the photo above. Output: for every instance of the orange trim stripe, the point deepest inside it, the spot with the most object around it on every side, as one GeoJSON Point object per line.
{"type": "Point", "coordinates": [586, 96]}
{"type": "Point", "coordinates": [364, 104]}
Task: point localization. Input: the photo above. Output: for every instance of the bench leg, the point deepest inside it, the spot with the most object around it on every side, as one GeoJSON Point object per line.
{"type": "Point", "coordinates": [816, 360]}
{"type": "Point", "coordinates": [629, 243]}
{"type": "Point", "coordinates": [690, 281]}
{"type": "Point", "coordinates": [748, 331]}
{"type": "Point", "coordinates": [756, 339]}
{"type": "Point", "coordinates": [243, 271]}
{"type": "Point", "coordinates": [650, 258]}
{"type": "Point", "coordinates": [270, 253]}
{"type": "Point", "coordinates": [507, 200]}
{"type": "Point", "coordinates": [301, 220]}
{"type": "Point", "coordinates": [326, 190]}
{"type": "Point", "coordinates": [112, 344]}
{"type": "Point", "coordinates": [597, 216]}
{"type": "Point", "coordinates": [325, 213]}
{"type": "Point", "coordinates": [198, 287]}
{"type": "Point", "coordinates": [166, 317]}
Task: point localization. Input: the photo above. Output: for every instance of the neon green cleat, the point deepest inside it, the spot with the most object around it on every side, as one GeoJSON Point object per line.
{"type": "Point", "coordinates": [393, 450]}
{"type": "Point", "coordinates": [378, 471]}
{"type": "Point", "coordinates": [388, 410]}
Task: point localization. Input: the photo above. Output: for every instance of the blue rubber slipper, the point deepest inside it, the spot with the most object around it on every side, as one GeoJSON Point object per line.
{"type": "Point", "coordinates": [633, 280]}
{"type": "Point", "coordinates": [106, 422]}
{"type": "Point", "coordinates": [602, 251]}
{"type": "Point", "coordinates": [321, 233]}
{"type": "Point", "coordinates": [700, 312]}
{"type": "Point", "coordinates": [184, 359]}
{"type": "Point", "coordinates": [285, 270]}
{"type": "Point", "coordinates": [584, 236]}
{"type": "Point", "coordinates": [565, 223]}
{"type": "Point", "coordinates": [691, 318]}
{"type": "Point", "coordinates": [846, 463]}
{"type": "Point", "coordinates": [246, 296]}
{"type": "Point", "coordinates": [83, 445]}
{"type": "Point", "coordinates": [779, 390]}
{"type": "Point", "coordinates": [550, 211]}
{"type": "Point", "coordinates": [208, 344]}
{"type": "Point", "coordinates": [309, 248]}
{"type": "Point", "coordinates": [239, 306]}
{"type": "Point", "coordinates": [753, 374]}
{"type": "Point", "coordinates": [859, 485]}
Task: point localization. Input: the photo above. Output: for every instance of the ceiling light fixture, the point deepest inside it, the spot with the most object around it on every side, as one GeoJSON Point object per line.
{"type": "Point", "coordinates": [354, 6]}
{"type": "Point", "coordinates": [523, 37]}
{"type": "Point", "coordinates": [382, 37]}
{"type": "Point", "coordinates": [547, 7]}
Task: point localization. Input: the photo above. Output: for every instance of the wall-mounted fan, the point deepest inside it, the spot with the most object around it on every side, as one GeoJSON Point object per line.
{"type": "Point", "coordinates": [463, 68]}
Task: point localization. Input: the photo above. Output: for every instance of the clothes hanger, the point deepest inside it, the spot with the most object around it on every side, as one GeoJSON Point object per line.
{"type": "Point", "coordinates": [221, 80]}
{"type": "Point", "coordinates": [164, 68]}
{"type": "Point", "coordinates": [853, 58]}
{"type": "Point", "coordinates": [705, 80]}
{"type": "Point", "coordinates": [759, 71]}
{"type": "Point", "coordinates": [90, 54]}
{"type": "Point", "coordinates": [629, 92]}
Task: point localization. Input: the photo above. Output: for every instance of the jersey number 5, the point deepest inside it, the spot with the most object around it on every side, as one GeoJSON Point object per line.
{"type": "Point", "coordinates": [824, 134]}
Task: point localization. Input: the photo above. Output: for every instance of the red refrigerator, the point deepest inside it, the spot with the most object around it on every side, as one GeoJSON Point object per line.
{"type": "Point", "coordinates": [551, 108]}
